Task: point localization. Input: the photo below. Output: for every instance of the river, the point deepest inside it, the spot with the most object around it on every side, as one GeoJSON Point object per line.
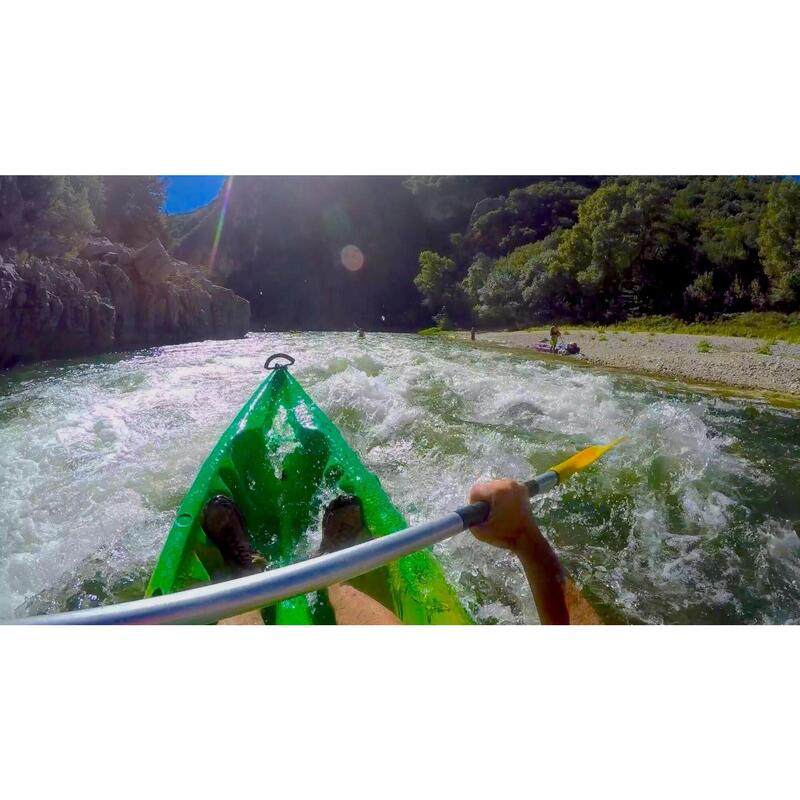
{"type": "Point", "coordinates": [694, 520]}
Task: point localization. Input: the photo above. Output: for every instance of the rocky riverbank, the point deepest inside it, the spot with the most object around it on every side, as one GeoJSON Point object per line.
{"type": "Point", "coordinates": [727, 360]}
{"type": "Point", "coordinates": [109, 297]}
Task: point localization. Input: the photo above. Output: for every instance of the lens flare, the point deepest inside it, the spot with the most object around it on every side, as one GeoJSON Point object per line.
{"type": "Point", "coordinates": [226, 196]}
{"type": "Point", "coordinates": [352, 258]}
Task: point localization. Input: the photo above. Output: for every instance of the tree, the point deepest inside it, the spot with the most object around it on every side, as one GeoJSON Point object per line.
{"type": "Point", "coordinates": [437, 283]}
{"type": "Point", "coordinates": [69, 215]}
{"type": "Point", "coordinates": [624, 229]}
{"type": "Point", "coordinates": [527, 215]}
{"type": "Point", "coordinates": [728, 220]}
{"type": "Point", "coordinates": [693, 245]}
{"type": "Point", "coordinates": [548, 287]}
{"type": "Point", "coordinates": [522, 287]}
{"type": "Point", "coordinates": [779, 241]}
{"type": "Point", "coordinates": [500, 297]}
{"type": "Point", "coordinates": [132, 209]}
{"type": "Point", "coordinates": [38, 211]}
{"type": "Point", "coordinates": [476, 277]}
{"type": "Point", "coordinates": [700, 294]}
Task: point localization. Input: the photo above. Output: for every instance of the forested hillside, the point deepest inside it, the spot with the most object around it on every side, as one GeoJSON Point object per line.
{"type": "Point", "coordinates": [508, 250]}
{"type": "Point", "coordinates": [692, 247]}
{"type": "Point", "coordinates": [397, 252]}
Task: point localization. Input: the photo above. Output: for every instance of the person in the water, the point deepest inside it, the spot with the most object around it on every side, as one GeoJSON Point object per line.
{"type": "Point", "coordinates": [361, 334]}
{"type": "Point", "coordinates": [510, 526]}
{"type": "Point", "coordinates": [555, 335]}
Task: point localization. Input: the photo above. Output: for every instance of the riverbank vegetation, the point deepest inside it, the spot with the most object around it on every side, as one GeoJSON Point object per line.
{"type": "Point", "coordinates": [395, 253]}
{"type": "Point", "coordinates": [50, 214]}
{"type": "Point", "coordinates": [769, 325]}
{"type": "Point", "coordinates": [674, 250]}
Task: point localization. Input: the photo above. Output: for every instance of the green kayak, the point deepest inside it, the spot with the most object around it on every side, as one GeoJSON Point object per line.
{"type": "Point", "coordinates": [281, 460]}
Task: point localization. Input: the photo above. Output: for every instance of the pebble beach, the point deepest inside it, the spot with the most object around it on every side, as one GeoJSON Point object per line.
{"type": "Point", "coordinates": [726, 360]}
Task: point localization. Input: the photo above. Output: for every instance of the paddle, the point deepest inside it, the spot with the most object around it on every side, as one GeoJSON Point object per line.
{"type": "Point", "coordinates": [476, 513]}
{"type": "Point", "coordinates": [221, 600]}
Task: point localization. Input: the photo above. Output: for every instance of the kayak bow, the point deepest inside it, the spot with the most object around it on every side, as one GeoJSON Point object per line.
{"type": "Point", "coordinates": [281, 461]}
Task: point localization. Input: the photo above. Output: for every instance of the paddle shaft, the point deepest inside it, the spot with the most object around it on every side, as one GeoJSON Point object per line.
{"type": "Point", "coordinates": [221, 600]}
{"type": "Point", "coordinates": [476, 513]}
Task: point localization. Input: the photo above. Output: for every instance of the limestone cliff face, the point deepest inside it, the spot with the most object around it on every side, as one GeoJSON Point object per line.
{"type": "Point", "coordinates": [110, 297]}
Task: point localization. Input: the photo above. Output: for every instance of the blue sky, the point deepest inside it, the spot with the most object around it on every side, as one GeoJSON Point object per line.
{"type": "Point", "coordinates": [190, 192]}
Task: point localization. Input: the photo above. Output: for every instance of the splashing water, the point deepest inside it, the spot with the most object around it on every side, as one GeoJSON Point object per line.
{"type": "Point", "coordinates": [695, 519]}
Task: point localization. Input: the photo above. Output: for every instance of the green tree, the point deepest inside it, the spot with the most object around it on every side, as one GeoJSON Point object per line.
{"type": "Point", "coordinates": [69, 215]}
{"type": "Point", "coordinates": [688, 245]}
{"type": "Point", "coordinates": [548, 286]}
{"type": "Point", "coordinates": [438, 284]}
{"type": "Point", "coordinates": [500, 298]}
{"type": "Point", "coordinates": [527, 215]}
{"type": "Point", "coordinates": [624, 229]}
{"type": "Point", "coordinates": [728, 220]}
{"type": "Point", "coordinates": [501, 301]}
{"type": "Point", "coordinates": [476, 277]}
{"type": "Point", "coordinates": [700, 295]}
{"type": "Point", "coordinates": [779, 241]}
{"type": "Point", "coordinates": [525, 286]}
{"type": "Point", "coordinates": [42, 210]}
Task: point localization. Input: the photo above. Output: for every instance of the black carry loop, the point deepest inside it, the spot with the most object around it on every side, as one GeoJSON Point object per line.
{"type": "Point", "coordinates": [268, 363]}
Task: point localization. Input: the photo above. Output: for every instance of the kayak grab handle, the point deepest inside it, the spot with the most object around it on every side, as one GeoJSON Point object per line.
{"type": "Point", "coordinates": [269, 365]}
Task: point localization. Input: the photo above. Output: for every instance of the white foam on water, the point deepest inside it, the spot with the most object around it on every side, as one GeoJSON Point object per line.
{"type": "Point", "coordinates": [97, 456]}
{"type": "Point", "coordinates": [281, 442]}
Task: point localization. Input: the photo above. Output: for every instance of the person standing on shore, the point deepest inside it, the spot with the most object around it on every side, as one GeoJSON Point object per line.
{"type": "Point", "coordinates": [472, 333]}
{"type": "Point", "coordinates": [555, 335]}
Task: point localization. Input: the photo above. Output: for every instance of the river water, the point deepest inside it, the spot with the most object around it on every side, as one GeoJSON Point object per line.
{"type": "Point", "coordinates": [695, 519]}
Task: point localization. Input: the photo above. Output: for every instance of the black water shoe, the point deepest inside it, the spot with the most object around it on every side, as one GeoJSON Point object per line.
{"type": "Point", "coordinates": [224, 525]}
{"type": "Point", "coordinates": [342, 524]}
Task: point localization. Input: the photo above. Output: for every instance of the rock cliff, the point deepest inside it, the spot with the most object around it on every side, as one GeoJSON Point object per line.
{"type": "Point", "coordinates": [109, 297]}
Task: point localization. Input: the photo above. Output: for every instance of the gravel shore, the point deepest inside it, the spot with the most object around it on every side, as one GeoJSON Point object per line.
{"type": "Point", "coordinates": [731, 360]}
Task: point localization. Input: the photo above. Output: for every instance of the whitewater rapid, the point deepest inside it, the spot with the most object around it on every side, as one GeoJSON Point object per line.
{"type": "Point", "coordinates": [695, 519]}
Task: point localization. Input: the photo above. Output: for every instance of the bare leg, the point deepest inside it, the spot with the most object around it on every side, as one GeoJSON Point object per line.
{"type": "Point", "coordinates": [248, 618]}
{"type": "Point", "coordinates": [364, 600]}
{"type": "Point", "coordinates": [352, 607]}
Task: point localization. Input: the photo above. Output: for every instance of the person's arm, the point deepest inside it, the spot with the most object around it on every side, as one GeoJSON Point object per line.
{"type": "Point", "coordinates": [511, 526]}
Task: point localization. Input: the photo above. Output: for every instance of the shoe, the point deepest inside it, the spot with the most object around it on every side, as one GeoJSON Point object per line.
{"type": "Point", "coordinates": [224, 525]}
{"type": "Point", "coordinates": [342, 524]}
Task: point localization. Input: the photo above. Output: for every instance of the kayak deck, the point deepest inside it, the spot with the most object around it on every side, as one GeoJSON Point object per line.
{"type": "Point", "coordinates": [281, 461]}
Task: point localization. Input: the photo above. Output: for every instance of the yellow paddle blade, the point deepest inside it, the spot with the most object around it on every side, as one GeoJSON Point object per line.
{"type": "Point", "coordinates": [583, 459]}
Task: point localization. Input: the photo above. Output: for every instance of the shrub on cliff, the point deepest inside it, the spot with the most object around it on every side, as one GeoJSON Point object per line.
{"type": "Point", "coordinates": [130, 209]}
{"type": "Point", "coordinates": [38, 208]}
